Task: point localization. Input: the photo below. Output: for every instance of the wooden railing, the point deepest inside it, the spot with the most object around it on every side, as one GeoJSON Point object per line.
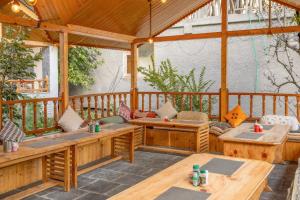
{"type": "Point", "coordinates": [203, 102]}
{"type": "Point", "coordinates": [31, 86]}
{"type": "Point", "coordinates": [37, 116]}
{"type": "Point", "coordinates": [95, 106]}
{"type": "Point", "coordinates": [34, 116]}
{"type": "Point", "coordinates": [259, 104]}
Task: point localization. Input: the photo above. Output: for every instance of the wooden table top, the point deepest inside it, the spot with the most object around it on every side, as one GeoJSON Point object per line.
{"type": "Point", "coordinates": [276, 135]}
{"type": "Point", "coordinates": [172, 123]}
{"type": "Point", "coordinates": [25, 150]}
{"type": "Point", "coordinates": [241, 185]}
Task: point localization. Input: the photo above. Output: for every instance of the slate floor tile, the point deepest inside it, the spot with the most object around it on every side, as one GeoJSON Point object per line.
{"type": "Point", "coordinates": [117, 190]}
{"type": "Point", "coordinates": [100, 186]}
{"type": "Point", "coordinates": [93, 196]}
{"type": "Point", "coordinates": [129, 179]}
{"type": "Point", "coordinates": [62, 195]}
{"type": "Point", "coordinates": [106, 174]}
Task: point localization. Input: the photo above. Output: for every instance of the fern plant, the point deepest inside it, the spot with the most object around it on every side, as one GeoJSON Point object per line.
{"type": "Point", "coordinates": [166, 78]}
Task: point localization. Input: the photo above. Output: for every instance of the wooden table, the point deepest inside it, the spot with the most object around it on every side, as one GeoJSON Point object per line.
{"type": "Point", "coordinates": [23, 167]}
{"type": "Point", "coordinates": [268, 147]}
{"type": "Point", "coordinates": [176, 136]}
{"type": "Point", "coordinates": [84, 150]}
{"type": "Point", "coordinates": [245, 183]}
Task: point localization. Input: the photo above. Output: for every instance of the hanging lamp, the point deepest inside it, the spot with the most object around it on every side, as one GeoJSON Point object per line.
{"type": "Point", "coordinates": [150, 39]}
{"type": "Point", "coordinates": [31, 2]}
{"type": "Point", "coordinates": [15, 6]}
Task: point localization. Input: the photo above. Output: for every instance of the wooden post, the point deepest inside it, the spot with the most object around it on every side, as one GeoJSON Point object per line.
{"type": "Point", "coordinates": [224, 44]}
{"type": "Point", "coordinates": [134, 89]}
{"type": "Point", "coordinates": [64, 86]}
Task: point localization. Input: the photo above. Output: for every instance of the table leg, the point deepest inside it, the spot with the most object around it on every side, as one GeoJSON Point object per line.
{"type": "Point", "coordinates": [112, 147]}
{"type": "Point", "coordinates": [44, 168]}
{"type": "Point", "coordinates": [197, 142]}
{"type": "Point", "coordinates": [144, 138]}
{"type": "Point", "coordinates": [131, 148]}
{"type": "Point", "coordinates": [74, 166]}
{"type": "Point", "coordinates": [67, 170]}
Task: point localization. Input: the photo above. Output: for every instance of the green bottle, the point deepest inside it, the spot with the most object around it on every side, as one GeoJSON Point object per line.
{"type": "Point", "coordinates": [97, 127]}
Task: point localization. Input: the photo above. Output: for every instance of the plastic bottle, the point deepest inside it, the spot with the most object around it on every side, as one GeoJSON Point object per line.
{"type": "Point", "coordinates": [97, 127]}
{"type": "Point", "coordinates": [203, 177]}
{"type": "Point", "coordinates": [196, 173]}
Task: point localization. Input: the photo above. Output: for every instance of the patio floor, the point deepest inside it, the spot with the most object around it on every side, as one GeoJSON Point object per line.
{"type": "Point", "coordinates": [115, 177]}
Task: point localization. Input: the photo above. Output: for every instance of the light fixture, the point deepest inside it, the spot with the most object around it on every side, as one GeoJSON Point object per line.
{"type": "Point", "coordinates": [31, 2]}
{"type": "Point", "coordinates": [163, 1]}
{"type": "Point", "coordinates": [150, 40]}
{"type": "Point", "coordinates": [15, 6]}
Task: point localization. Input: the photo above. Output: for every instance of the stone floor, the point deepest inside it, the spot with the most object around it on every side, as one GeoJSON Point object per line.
{"type": "Point", "coordinates": [115, 177]}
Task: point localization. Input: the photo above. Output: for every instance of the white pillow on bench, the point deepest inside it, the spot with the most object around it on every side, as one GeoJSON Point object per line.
{"type": "Point", "coordinates": [283, 120]}
{"type": "Point", "coordinates": [70, 120]}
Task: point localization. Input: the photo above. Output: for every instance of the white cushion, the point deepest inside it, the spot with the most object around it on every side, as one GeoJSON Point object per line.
{"type": "Point", "coordinates": [167, 110]}
{"type": "Point", "coordinates": [70, 120]}
{"type": "Point", "coordinates": [283, 120]}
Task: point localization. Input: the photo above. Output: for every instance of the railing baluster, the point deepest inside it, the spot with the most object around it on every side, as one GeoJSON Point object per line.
{"type": "Point", "coordinates": [34, 116]}
{"type": "Point", "coordinates": [55, 103]}
{"type": "Point", "coordinates": [286, 106]}
{"type": "Point", "coordinates": [11, 112]}
{"type": "Point", "coordinates": [298, 107]}
{"type": "Point", "coordinates": [200, 103]}
{"type": "Point", "coordinates": [108, 105]}
{"type": "Point", "coordinates": [209, 106]}
{"type": "Point", "coordinates": [102, 106]}
{"type": "Point", "coordinates": [81, 108]}
{"type": "Point", "coordinates": [115, 105]}
{"type": "Point", "coordinates": [173, 100]}
{"type": "Point", "coordinates": [125, 99]}
{"type": "Point", "coordinates": [23, 116]}
{"type": "Point", "coordinates": [74, 104]}
{"type": "Point", "coordinates": [89, 107]}
{"type": "Point", "coordinates": [191, 102]}
{"type": "Point", "coordinates": [251, 106]}
{"type": "Point", "coordinates": [239, 99]}
{"type": "Point", "coordinates": [45, 114]}
{"type": "Point", "coordinates": [150, 103]}
{"type": "Point", "coordinates": [96, 107]}
{"type": "Point", "coordinates": [143, 102]}
{"type": "Point", "coordinates": [166, 97]}
{"type": "Point", "coordinates": [182, 102]}
{"type": "Point", "coordinates": [157, 101]}
{"type": "Point", "coordinates": [274, 105]}
{"type": "Point", "coordinates": [263, 105]}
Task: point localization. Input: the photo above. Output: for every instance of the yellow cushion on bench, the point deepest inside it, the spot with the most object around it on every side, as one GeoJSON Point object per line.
{"type": "Point", "coordinates": [236, 116]}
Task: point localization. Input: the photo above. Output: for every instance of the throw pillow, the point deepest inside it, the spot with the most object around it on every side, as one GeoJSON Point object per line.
{"type": "Point", "coordinates": [124, 111]}
{"type": "Point", "coordinates": [11, 132]}
{"type": "Point", "coordinates": [70, 120]}
{"type": "Point", "coordinates": [236, 116]}
{"type": "Point", "coordinates": [167, 110]}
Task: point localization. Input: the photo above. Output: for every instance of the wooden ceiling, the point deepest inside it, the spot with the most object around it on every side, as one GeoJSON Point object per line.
{"type": "Point", "coordinates": [130, 17]}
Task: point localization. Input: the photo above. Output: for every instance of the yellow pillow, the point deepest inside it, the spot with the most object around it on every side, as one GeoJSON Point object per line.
{"type": "Point", "coordinates": [236, 116]}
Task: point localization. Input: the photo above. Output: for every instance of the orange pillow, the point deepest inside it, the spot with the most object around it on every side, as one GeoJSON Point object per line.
{"type": "Point", "coordinates": [236, 116]}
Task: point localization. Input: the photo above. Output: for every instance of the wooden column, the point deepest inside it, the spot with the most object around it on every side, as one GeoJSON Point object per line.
{"type": "Point", "coordinates": [134, 89]}
{"type": "Point", "coordinates": [64, 86]}
{"type": "Point", "coordinates": [224, 44]}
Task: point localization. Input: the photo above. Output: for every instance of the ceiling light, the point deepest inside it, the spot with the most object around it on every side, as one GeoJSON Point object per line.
{"type": "Point", "coordinates": [15, 6]}
{"type": "Point", "coordinates": [150, 40]}
{"type": "Point", "coordinates": [163, 1]}
{"type": "Point", "coordinates": [31, 2]}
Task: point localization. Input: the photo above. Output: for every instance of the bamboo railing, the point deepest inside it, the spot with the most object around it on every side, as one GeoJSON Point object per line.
{"type": "Point", "coordinates": [37, 116]}
{"type": "Point", "coordinates": [31, 86]}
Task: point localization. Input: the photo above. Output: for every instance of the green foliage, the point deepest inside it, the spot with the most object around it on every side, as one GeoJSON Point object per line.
{"type": "Point", "coordinates": [82, 63]}
{"type": "Point", "coordinates": [16, 61]}
{"type": "Point", "coordinates": [297, 18]}
{"type": "Point", "coordinates": [166, 78]}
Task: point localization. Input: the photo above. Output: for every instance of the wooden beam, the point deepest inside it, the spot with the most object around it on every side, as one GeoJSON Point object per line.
{"type": "Point", "coordinates": [224, 44]}
{"type": "Point", "coordinates": [96, 33]}
{"type": "Point", "coordinates": [237, 33]}
{"type": "Point", "coordinates": [264, 31]}
{"type": "Point", "coordinates": [181, 37]}
{"type": "Point", "coordinates": [134, 88]}
{"type": "Point", "coordinates": [28, 12]}
{"type": "Point", "coordinates": [71, 29]}
{"type": "Point", "coordinates": [287, 4]}
{"type": "Point", "coordinates": [64, 86]}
